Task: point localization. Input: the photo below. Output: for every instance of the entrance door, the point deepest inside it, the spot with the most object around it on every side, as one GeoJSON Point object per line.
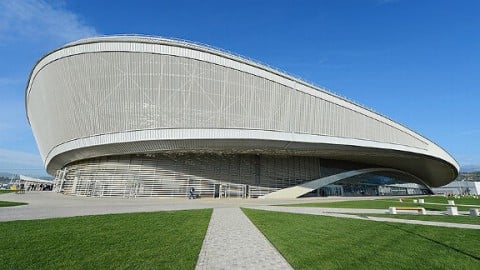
{"type": "Point", "coordinates": [246, 193]}
{"type": "Point", "coordinates": [216, 193]}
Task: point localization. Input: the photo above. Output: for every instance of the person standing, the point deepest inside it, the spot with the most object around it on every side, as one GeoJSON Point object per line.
{"type": "Point", "coordinates": [191, 194]}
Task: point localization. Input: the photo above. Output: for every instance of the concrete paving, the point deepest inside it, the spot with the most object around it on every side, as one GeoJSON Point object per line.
{"type": "Point", "coordinates": [43, 204]}
{"type": "Point", "coordinates": [46, 204]}
{"type": "Point", "coordinates": [52, 205]}
{"type": "Point", "coordinates": [233, 242]}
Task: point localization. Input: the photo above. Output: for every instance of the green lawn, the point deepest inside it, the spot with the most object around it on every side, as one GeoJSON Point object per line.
{"type": "Point", "coordinates": [468, 200]}
{"type": "Point", "coordinates": [454, 219]}
{"type": "Point", "coordinates": [319, 242]}
{"type": "Point", "coordinates": [160, 240]}
{"type": "Point", "coordinates": [6, 204]}
{"type": "Point", "coordinates": [377, 204]}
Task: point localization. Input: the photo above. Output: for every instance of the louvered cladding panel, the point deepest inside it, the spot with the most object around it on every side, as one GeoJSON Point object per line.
{"type": "Point", "coordinates": [175, 174]}
{"type": "Point", "coordinates": [110, 92]}
{"type": "Point", "coordinates": [92, 104]}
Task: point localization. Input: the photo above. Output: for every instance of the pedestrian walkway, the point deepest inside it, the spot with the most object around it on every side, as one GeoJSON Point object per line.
{"type": "Point", "coordinates": [233, 242]}
{"type": "Point", "coordinates": [49, 204]}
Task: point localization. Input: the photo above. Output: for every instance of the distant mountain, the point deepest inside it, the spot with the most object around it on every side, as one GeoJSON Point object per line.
{"type": "Point", "coordinates": [10, 175]}
{"type": "Point", "coordinates": [6, 174]}
{"type": "Point", "coordinates": [470, 168]}
{"type": "Point", "coordinates": [469, 176]}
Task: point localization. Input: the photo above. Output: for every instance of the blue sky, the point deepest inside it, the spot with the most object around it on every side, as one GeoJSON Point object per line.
{"type": "Point", "coordinates": [418, 62]}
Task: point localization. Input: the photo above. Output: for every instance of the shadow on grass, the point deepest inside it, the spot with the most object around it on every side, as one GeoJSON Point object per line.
{"type": "Point", "coordinates": [11, 204]}
{"type": "Point", "coordinates": [395, 226]}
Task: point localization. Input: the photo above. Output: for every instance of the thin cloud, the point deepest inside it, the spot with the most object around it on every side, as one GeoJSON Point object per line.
{"type": "Point", "coordinates": [468, 162]}
{"type": "Point", "coordinates": [13, 122]}
{"type": "Point", "coordinates": [4, 82]}
{"type": "Point", "coordinates": [12, 159]}
{"type": "Point", "coordinates": [469, 132]}
{"type": "Point", "coordinates": [40, 20]}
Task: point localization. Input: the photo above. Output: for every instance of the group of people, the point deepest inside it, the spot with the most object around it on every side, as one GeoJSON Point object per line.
{"type": "Point", "coordinates": [41, 187]}
{"type": "Point", "coordinates": [35, 187]}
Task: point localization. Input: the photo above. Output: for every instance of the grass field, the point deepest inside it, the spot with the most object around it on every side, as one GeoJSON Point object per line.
{"type": "Point", "coordinates": [161, 240]}
{"type": "Point", "coordinates": [318, 242]}
{"type": "Point", "coordinates": [467, 200]}
{"type": "Point", "coordinates": [378, 204]}
{"type": "Point", "coordinates": [7, 204]}
{"type": "Point", "coordinates": [454, 219]}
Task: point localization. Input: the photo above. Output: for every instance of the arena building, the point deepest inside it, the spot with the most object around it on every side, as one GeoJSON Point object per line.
{"type": "Point", "coordinates": [146, 116]}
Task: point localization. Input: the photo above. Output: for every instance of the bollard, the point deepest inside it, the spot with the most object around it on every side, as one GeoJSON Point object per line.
{"type": "Point", "coordinates": [474, 212]}
{"type": "Point", "coordinates": [421, 201]}
{"type": "Point", "coordinates": [452, 211]}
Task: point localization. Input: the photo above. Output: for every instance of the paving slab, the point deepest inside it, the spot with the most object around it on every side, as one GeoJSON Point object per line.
{"type": "Point", "coordinates": [48, 204]}
{"type": "Point", "coordinates": [233, 242]}
{"type": "Point", "coordinates": [43, 205]}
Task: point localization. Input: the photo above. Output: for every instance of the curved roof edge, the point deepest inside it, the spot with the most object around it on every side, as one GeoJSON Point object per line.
{"type": "Point", "coordinates": [420, 162]}
{"type": "Point", "coordinates": [222, 53]}
{"type": "Point", "coordinates": [206, 48]}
